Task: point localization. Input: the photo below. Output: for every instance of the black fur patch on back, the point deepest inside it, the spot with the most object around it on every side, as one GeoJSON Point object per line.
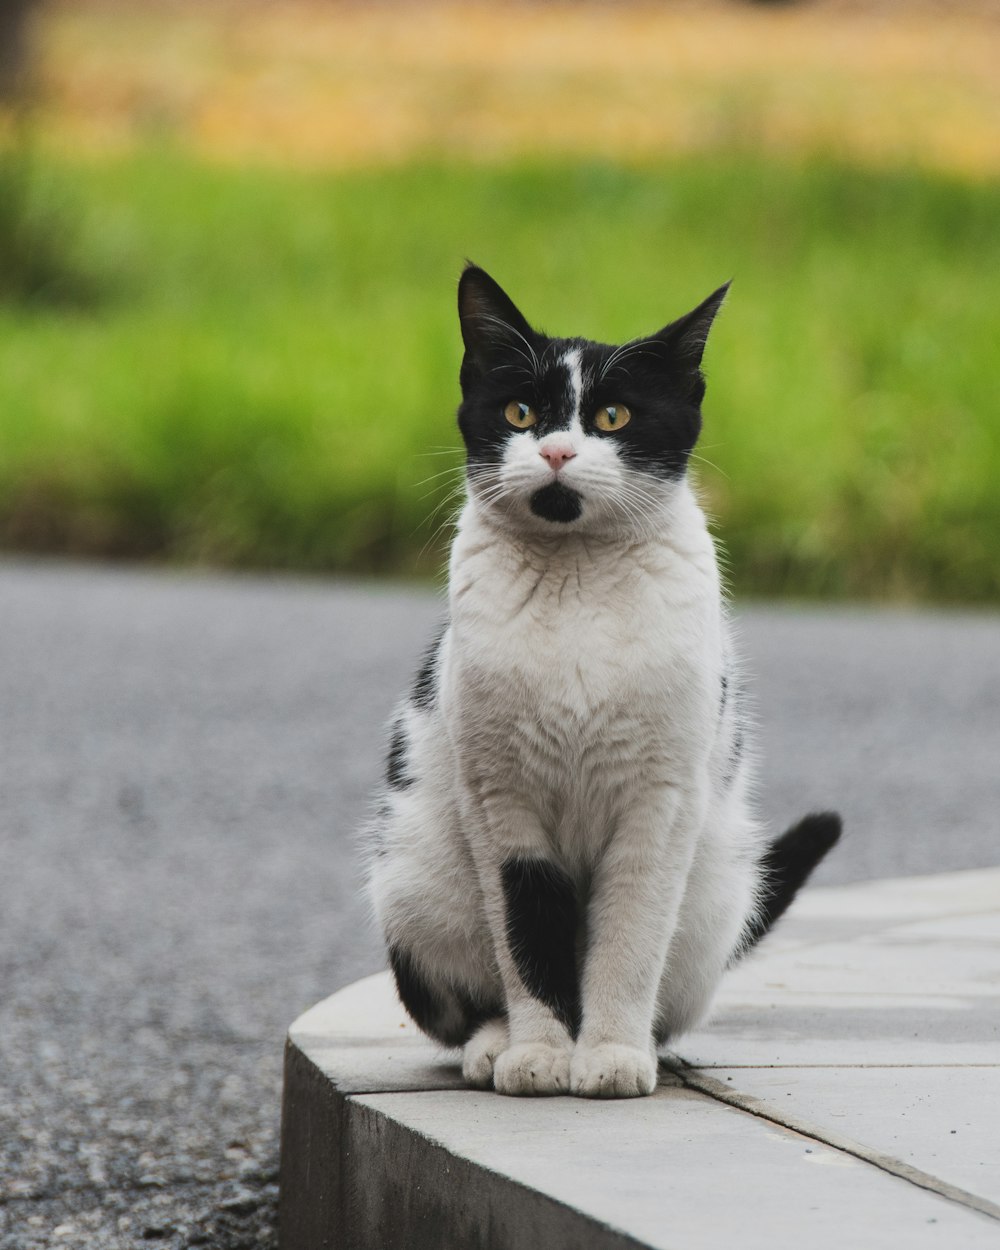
{"type": "Point", "coordinates": [449, 1015]}
{"type": "Point", "coordinates": [424, 690]}
{"type": "Point", "coordinates": [395, 765]}
{"type": "Point", "coordinates": [788, 863]}
{"type": "Point", "coordinates": [541, 930]}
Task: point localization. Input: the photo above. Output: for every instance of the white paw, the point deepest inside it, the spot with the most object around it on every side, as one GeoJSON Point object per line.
{"type": "Point", "coordinates": [612, 1071]}
{"type": "Point", "coordinates": [480, 1053]}
{"type": "Point", "coordinates": [532, 1069]}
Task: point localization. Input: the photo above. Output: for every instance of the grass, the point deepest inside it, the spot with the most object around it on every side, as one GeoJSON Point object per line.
{"type": "Point", "coordinates": [274, 362]}
{"type": "Point", "coordinates": [38, 260]}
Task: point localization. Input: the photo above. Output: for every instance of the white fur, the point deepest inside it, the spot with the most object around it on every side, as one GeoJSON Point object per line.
{"type": "Point", "coordinates": [578, 718]}
{"type": "Point", "coordinates": [574, 367]}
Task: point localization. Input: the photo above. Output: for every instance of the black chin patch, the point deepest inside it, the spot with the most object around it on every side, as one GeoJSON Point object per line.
{"type": "Point", "coordinates": [556, 502]}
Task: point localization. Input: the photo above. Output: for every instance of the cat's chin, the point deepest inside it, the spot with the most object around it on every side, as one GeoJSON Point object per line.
{"type": "Point", "coordinates": [557, 503]}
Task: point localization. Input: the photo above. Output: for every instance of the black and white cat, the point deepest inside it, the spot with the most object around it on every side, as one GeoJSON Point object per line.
{"type": "Point", "coordinates": [565, 860]}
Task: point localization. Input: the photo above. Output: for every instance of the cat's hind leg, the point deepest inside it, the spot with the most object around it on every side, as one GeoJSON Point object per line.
{"type": "Point", "coordinates": [450, 1013]}
{"type": "Point", "coordinates": [719, 898]}
{"type": "Point", "coordinates": [481, 1051]}
{"type": "Point", "coordinates": [427, 902]}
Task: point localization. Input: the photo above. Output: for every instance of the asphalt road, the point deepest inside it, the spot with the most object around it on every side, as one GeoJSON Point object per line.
{"type": "Point", "coordinates": [182, 762]}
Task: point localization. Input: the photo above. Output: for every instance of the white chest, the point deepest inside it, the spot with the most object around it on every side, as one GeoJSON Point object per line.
{"type": "Point", "coordinates": [577, 676]}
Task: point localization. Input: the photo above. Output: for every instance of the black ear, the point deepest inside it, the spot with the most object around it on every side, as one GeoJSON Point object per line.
{"type": "Point", "coordinates": [686, 337]}
{"type": "Point", "coordinates": [491, 324]}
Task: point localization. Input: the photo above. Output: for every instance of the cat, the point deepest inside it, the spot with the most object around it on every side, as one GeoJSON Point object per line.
{"type": "Point", "coordinates": [564, 860]}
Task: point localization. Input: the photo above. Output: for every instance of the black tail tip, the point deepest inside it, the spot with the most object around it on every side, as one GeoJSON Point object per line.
{"type": "Point", "coordinates": [789, 862]}
{"type": "Point", "coordinates": [814, 836]}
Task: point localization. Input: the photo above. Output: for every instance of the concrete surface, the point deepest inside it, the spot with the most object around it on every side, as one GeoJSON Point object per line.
{"type": "Point", "coordinates": [183, 759]}
{"type": "Point", "coordinates": [762, 1133]}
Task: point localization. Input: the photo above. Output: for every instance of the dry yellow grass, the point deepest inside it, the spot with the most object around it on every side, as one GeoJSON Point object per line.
{"type": "Point", "coordinates": [346, 85]}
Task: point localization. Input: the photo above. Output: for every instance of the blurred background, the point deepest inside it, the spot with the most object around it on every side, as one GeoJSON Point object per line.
{"type": "Point", "coordinates": [230, 236]}
{"type": "Point", "coordinates": [230, 233]}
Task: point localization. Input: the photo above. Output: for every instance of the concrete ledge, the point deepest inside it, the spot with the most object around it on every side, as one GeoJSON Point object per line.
{"type": "Point", "coordinates": [846, 1093]}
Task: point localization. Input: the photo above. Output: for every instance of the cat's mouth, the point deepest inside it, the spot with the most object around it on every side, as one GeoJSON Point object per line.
{"type": "Point", "coordinates": [557, 502]}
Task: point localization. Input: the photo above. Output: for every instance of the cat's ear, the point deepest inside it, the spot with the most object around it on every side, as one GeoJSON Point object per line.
{"type": "Point", "coordinates": [686, 337]}
{"type": "Point", "coordinates": [679, 346]}
{"type": "Point", "coordinates": [491, 324]}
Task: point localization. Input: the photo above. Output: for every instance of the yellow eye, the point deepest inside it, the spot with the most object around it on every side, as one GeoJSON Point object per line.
{"type": "Point", "coordinates": [520, 416]}
{"type": "Point", "coordinates": [612, 418]}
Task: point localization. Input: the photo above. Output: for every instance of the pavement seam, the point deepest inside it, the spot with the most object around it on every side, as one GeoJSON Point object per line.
{"type": "Point", "coordinates": [695, 1080]}
{"type": "Point", "coordinates": [777, 1067]}
{"type": "Point", "coordinates": [879, 995]}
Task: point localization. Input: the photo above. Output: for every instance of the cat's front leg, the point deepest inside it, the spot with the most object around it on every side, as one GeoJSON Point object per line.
{"type": "Point", "coordinates": [636, 896]}
{"type": "Point", "coordinates": [534, 920]}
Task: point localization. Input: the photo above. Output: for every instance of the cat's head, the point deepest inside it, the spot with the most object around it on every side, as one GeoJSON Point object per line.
{"type": "Point", "coordinates": [568, 434]}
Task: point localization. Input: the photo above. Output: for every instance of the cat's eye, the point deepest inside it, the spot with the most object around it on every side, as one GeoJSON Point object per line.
{"type": "Point", "coordinates": [612, 418]}
{"type": "Point", "coordinates": [520, 416]}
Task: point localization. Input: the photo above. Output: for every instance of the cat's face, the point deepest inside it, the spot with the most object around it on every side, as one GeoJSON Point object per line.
{"type": "Point", "coordinates": [569, 434]}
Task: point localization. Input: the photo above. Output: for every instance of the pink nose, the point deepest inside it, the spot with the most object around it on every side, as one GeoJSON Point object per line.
{"type": "Point", "coordinates": [556, 455]}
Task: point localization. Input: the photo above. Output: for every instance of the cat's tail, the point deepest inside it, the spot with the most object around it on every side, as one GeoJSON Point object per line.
{"type": "Point", "coordinates": [786, 866]}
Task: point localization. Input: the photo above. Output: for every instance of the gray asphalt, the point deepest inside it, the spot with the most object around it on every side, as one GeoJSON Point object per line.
{"type": "Point", "coordinates": [182, 762]}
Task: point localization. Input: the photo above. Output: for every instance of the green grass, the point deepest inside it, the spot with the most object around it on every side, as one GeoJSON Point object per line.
{"type": "Point", "coordinates": [274, 360]}
{"type": "Point", "coordinates": [38, 264]}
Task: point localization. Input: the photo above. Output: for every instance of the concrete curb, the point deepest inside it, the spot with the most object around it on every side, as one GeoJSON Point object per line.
{"type": "Point", "coordinates": [841, 1095]}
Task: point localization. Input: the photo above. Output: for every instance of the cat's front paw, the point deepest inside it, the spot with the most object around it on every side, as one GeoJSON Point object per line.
{"type": "Point", "coordinates": [532, 1069]}
{"type": "Point", "coordinates": [612, 1071]}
